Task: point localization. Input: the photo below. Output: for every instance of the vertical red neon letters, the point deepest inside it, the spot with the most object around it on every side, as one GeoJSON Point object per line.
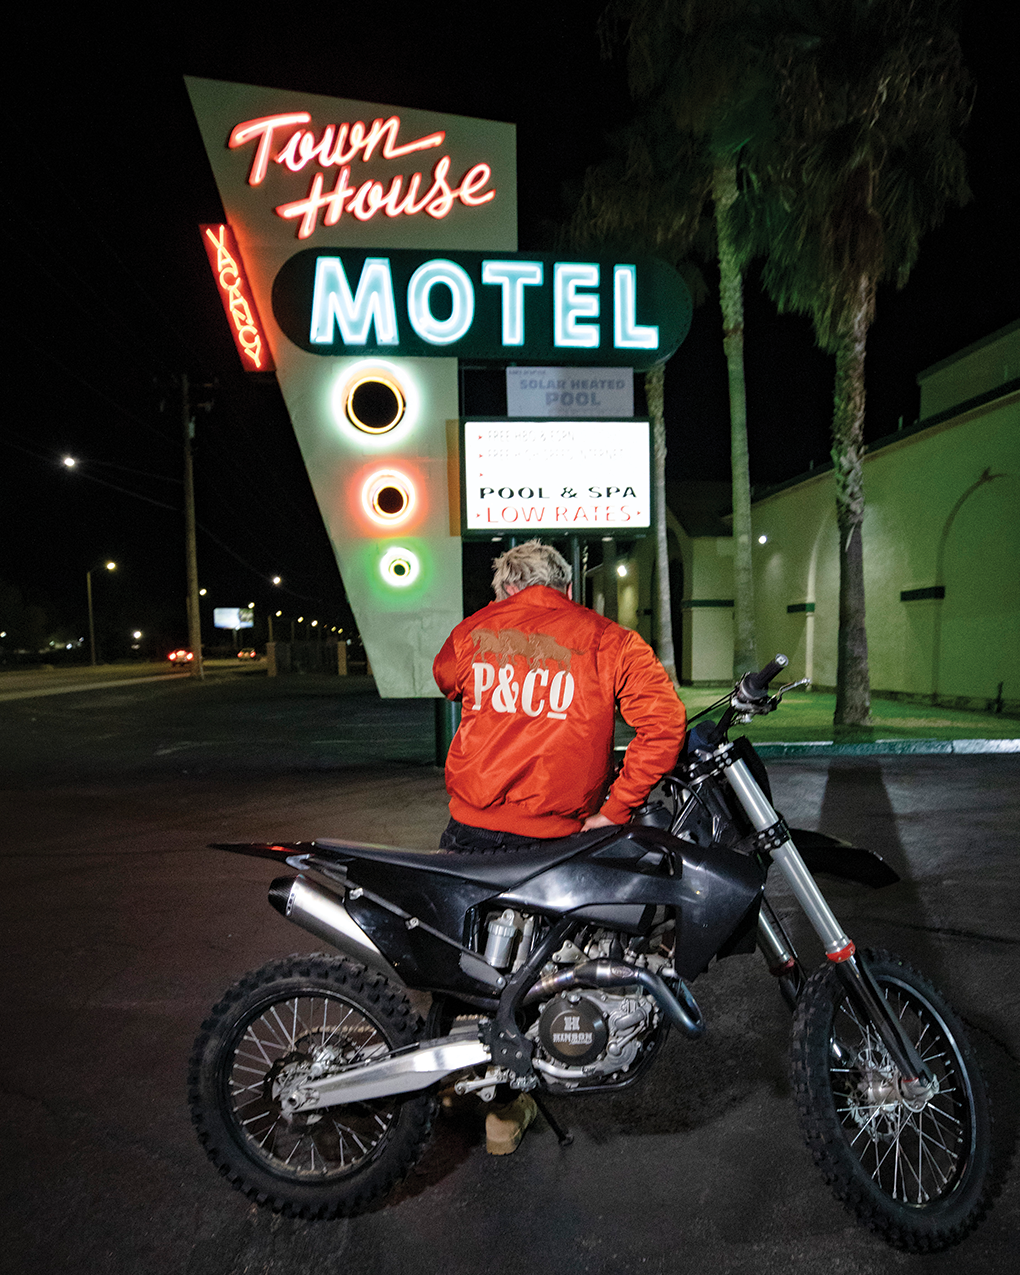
{"type": "Point", "coordinates": [236, 295]}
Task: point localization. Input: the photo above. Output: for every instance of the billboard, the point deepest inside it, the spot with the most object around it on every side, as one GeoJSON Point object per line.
{"type": "Point", "coordinates": [482, 306]}
{"type": "Point", "coordinates": [569, 391]}
{"type": "Point", "coordinates": [233, 618]}
{"type": "Point", "coordinates": [300, 169]}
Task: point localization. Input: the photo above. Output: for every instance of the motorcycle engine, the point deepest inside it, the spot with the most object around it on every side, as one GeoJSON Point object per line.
{"type": "Point", "coordinates": [588, 1035]}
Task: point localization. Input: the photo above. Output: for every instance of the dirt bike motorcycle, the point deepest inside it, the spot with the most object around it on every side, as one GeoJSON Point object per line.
{"type": "Point", "coordinates": [560, 969]}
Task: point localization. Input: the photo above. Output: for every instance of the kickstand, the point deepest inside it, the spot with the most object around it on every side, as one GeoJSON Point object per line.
{"type": "Point", "coordinates": [562, 1136]}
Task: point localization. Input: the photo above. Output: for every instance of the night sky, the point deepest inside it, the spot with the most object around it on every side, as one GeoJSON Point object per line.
{"type": "Point", "coordinates": [110, 297]}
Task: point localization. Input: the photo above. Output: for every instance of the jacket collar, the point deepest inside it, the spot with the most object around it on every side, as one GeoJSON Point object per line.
{"type": "Point", "coordinates": [541, 595]}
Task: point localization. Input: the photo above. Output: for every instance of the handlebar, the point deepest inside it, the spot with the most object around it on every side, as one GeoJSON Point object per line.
{"type": "Point", "coordinates": [749, 698]}
{"type": "Point", "coordinates": [755, 686]}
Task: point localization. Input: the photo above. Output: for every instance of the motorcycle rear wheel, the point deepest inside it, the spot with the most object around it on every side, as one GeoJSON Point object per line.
{"type": "Point", "coordinates": [311, 1012]}
{"type": "Point", "coordinates": [917, 1177]}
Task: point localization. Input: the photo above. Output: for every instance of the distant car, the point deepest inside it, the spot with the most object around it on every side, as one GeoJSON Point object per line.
{"type": "Point", "coordinates": [248, 653]}
{"type": "Point", "coordinates": [181, 657]}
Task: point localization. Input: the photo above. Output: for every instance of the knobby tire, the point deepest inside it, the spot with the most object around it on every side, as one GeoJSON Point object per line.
{"type": "Point", "coordinates": [306, 1011]}
{"type": "Point", "coordinates": [919, 1178]}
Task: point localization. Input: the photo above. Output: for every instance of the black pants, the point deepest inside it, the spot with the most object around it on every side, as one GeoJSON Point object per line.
{"type": "Point", "coordinates": [461, 836]}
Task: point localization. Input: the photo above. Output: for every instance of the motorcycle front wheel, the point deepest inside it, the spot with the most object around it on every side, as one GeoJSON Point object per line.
{"type": "Point", "coordinates": [916, 1173]}
{"type": "Point", "coordinates": [306, 1015]}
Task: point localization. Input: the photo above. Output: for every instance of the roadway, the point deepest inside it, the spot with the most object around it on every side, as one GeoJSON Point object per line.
{"type": "Point", "coordinates": [120, 929]}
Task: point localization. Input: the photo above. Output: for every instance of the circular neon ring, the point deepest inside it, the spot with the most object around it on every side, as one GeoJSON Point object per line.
{"type": "Point", "coordinates": [399, 566]}
{"type": "Point", "coordinates": [374, 378]}
{"type": "Point", "coordinates": [380, 482]}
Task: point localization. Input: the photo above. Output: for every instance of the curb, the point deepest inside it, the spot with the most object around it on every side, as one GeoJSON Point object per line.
{"type": "Point", "coordinates": [98, 685]}
{"type": "Point", "coordinates": [890, 747]}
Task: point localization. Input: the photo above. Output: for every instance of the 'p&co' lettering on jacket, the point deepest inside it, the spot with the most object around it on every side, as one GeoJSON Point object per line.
{"type": "Point", "coordinates": [541, 692]}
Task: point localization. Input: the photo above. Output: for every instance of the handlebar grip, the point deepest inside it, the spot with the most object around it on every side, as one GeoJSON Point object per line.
{"type": "Point", "coordinates": [758, 683]}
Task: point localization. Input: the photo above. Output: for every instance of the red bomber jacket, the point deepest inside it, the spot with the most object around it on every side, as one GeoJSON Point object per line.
{"type": "Point", "coordinates": [539, 679]}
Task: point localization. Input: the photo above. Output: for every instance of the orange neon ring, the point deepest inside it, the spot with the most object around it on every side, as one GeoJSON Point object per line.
{"type": "Point", "coordinates": [374, 501]}
{"type": "Point", "coordinates": [375, 378]}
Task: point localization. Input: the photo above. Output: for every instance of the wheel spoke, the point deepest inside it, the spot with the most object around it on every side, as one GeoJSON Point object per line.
{"type": "Point", "coordinates": [250, 1035]}
{"type": "Point", "coordinates": [914, 1170]}
{"type": "Point", "coordinates": [328, 1039]}
{"type": "Point", "coordinates": [276, 1048]}
{"type": "Point", "coordinates": [289, 1035]}
{"type": "Point", "coordinates": [274, 1032]}
{"type": "Point", "coordinates": [945, 1115]}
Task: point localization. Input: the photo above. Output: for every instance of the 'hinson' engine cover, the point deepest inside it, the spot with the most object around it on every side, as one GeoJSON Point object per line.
{"type": "Point", "coordinates": [572, 1030]}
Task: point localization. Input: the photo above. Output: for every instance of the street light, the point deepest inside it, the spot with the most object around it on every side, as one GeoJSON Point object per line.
{"type": "Point", "coordinates": [110, 566]}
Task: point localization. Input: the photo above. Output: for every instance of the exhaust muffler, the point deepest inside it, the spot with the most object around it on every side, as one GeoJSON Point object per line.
{"type": "Point", "coordinates": [323, 914]}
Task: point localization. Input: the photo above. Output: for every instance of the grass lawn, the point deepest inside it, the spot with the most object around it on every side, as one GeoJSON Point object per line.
{"type": "Point", "coordinates": [805, 716]}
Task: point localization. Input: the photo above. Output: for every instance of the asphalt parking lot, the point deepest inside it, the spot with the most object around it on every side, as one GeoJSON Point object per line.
{"type": "Point", "coordinates": [120, 929]}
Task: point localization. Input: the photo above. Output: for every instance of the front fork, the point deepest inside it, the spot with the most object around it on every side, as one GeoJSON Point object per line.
{"type": "Point", "coordinates": [861, 987]}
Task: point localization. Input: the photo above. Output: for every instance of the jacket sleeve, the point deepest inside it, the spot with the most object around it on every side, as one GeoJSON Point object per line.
{"type": "Point", "coordinates": [444, 670]}
{"type": "Point", "coordinates": [650, 705]}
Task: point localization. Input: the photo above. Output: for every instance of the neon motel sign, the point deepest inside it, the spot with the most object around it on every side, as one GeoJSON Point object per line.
{"type": "Point", "coordinates": [236, 295]}
{"type": "Point", "coordinates": [506, 307]}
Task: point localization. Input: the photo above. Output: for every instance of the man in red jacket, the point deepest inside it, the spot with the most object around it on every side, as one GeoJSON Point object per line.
{"type": "Point", "coordinates": [540, 679]}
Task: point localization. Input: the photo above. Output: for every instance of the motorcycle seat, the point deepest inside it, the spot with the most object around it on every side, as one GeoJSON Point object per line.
{"type": "Point", "coordinates": [500, 868]}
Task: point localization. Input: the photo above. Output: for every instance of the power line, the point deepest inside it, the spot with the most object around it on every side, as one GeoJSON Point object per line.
{"type": "Point", "coordinates": [76, 376]}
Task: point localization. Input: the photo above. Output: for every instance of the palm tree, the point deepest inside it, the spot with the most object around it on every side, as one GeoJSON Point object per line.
{"type": "Point", "coordinates": [702, 69]}
{"type": "Point", "coordinates": [648, 196]}
{"type": "Point", "coordinates": [873, 98]}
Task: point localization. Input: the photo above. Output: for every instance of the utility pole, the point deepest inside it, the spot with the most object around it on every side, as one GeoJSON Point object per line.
{"type": "Point", "coordinates": [191, 558]}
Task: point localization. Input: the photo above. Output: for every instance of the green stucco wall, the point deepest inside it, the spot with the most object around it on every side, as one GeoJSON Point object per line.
{"type": "Point", "coordinates": [986, 365]}
{"type": "Point", "coordinates": [943, 509]}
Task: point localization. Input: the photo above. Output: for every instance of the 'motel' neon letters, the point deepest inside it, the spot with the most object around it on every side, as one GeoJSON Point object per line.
{"type": "Point", "coordinates": [575, 306]}
{"type": "Point", "coordinates": [521, 307]}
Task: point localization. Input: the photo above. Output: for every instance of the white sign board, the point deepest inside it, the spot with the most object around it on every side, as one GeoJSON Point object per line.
{"type": "Point", "coordinates": [581, 392]}
{"type": "Point", "coordinates": [585, 477]}
{"type": "Point", "coordinates": [233, 618]}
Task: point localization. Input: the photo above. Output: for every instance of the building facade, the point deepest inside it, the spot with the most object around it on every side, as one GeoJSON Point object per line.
{"type": "Point", "coordinates": [941, 551]}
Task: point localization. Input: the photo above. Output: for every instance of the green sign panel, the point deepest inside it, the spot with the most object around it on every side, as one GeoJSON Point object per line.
{"type": "Point", "coordinates": [503, 307]}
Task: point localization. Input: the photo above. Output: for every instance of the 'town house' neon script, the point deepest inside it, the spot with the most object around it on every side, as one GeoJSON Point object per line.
{"type": "Point", "coordinates": [338, 146]}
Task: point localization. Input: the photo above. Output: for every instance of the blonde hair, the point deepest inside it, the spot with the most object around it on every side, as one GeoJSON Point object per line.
{"type": "Point", "coordinates": [528, 564]}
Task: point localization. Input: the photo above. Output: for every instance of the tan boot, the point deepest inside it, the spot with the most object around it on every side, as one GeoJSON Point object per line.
{"type": "Point", "coordinates": [505, 1124]}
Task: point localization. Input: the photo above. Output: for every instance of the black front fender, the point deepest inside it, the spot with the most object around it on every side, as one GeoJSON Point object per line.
{"type": "Point", "coordinates": [832, 857]}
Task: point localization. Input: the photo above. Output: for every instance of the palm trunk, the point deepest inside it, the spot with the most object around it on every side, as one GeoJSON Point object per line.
{"type": "Point", "coordinates": [853, 686]}
{"type": "Point", "coordinates": [654, 391]}
{"type": "Point", "coordinates": [731, 295]}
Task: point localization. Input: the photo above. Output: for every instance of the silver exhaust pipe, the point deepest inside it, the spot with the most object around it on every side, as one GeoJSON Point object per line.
{"type": "Point", "coordinates": [683, 1013]}
{"type": "Point", "coordinates": [323, 914]}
